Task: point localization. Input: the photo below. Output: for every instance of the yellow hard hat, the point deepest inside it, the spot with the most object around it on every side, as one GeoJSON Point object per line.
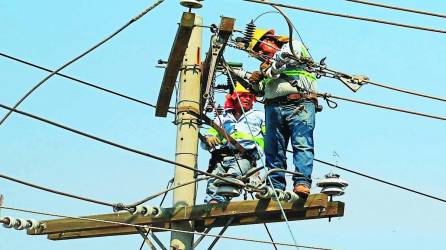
{"type": "Point", "coordinates": [258, 34]}
{"type": "Point", "coordinates": [240, 89]}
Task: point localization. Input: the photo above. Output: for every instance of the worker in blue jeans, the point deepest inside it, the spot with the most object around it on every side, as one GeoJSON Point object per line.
{"type": "Point", "coordinates": [290, 105]}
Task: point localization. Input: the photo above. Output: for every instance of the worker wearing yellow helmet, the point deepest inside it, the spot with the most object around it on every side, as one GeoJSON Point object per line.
{"type": "Point", "coordinates": [290, 106]}
{"type": "Point", "coordinates": [247, 126]}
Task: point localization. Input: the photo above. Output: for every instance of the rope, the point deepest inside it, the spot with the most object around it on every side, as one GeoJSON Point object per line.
{"type": "Point", "coordinates": [350, 16]}
{"type": "Point", "coordinates": [134, 19]}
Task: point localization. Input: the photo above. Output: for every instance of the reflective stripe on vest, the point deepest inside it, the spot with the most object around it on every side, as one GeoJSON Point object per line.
{"type": "Point", "coordinates": [299, 72]}
{"type": "Point", "coordinates": [244, 136]}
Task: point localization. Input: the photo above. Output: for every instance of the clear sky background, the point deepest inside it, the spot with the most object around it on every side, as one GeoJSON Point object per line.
{"type": "Point", "coordinates": [405, 149]}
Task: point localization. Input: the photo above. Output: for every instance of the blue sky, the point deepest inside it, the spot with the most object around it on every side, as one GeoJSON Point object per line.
{"type": "Point", "coordinates": [401, 148]}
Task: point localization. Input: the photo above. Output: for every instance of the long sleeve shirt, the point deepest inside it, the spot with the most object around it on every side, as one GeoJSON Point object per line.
{"type": "Point", "coordinates": [240, 129]}
{"type": "Point", "coordinates": [287, 76]}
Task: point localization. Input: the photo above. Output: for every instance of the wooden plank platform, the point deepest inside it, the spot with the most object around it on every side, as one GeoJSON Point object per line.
{"type": "Point", "coordinates": [244, 213]}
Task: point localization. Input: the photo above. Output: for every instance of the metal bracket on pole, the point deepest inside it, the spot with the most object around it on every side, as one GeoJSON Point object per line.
{"type": "Point", "coordinates": [146, 239]}
{"type": "Point", "coordinates": [1, 202]}
{"type": "Point", "coordinates": [215, 52]}
{"type": "Point", "coordinates": [221, 233]}
{"type": "Point", "coordinates": [174, 63]}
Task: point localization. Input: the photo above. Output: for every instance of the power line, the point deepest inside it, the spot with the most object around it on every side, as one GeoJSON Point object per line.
{"type": "Point", "coordinates": [379, 180]}
{"type": "Point", "coordinates": [56, 191]}
{"type": "Point", "coordinates": [158, 228]}
{"type": "Point", "coordinates": [117, 145]}
{"type": "Point", "coordinates": [398, 8]}
{"type": "Point", "coordinates": [350, 16]}
{"type": "Point", "coordinates": [153, 106]}
{"type": "Point", "coordinates": [382, 85]}
{"type": "Point", "coordinates": [134, 19]}
{"type": "Point", "coordinates": [78, 80]}
{"type": "Point", "coordinates": [327, 96]}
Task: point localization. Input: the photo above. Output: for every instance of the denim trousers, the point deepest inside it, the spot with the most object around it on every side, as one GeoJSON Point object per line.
{"type": "Point", "coordinates": [231, 166]}
{"type": "Point", "coordinates": [282, 124]}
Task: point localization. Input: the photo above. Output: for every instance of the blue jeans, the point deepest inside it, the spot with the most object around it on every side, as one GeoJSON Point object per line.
{"type": "Point", "coordinates": [229, 165]}
{"type": "Point", "coordinates": [281, 125]}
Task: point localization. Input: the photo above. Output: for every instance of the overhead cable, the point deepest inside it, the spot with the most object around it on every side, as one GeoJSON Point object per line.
{"type": "Point", "coordinates": [328, 96]}
{"type": "Point", "coordinates": [117, 145]}
{"type": "Point", "coordinates": [350, 16]}
{"type": "Point", "coordinates": [406, 91]}
{"type": "Point", "coordinates": [398, 8]}
{"type": "Point", "coordinates": [78, 80]}
{"type": "Point", "coordinates": [158, 228]}
{"type": "Point", "coordinates": [35, 87]}
{"type": "Point", "coordinates": [56, 191]}
{"type": "Point", "coordinates": [379, 180]}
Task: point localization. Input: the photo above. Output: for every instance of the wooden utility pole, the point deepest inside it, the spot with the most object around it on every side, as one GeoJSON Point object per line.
{"type": "Point", "coordinates": [187, 134]}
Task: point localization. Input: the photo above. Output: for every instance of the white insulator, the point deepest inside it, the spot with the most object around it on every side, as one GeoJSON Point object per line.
{"type": "Point", "coordinates": [139, 210]}
{"type": "Point", "coordinates": [291, 197]}
{"type": "Point", "coordinates": [333, 191]}
{"type": "Point", "coordinates": [195, 4]}
{"type": "Point", "coordinates": [280, 195]}
{"type": "Point", "coordinates": [266, 193]}
{"type": "Point", "coordinates": [157, 212]}
{"type": "Point", "coordinates": [332, 185]}
{"type": "Point", "coordinates": [11, 221]}
{"type": "Point", "coordinates": [242, 73]}
{"type": "Point", "coordinates": [32, 224]}
{"type": "Point", "coordinates": [20, 224]}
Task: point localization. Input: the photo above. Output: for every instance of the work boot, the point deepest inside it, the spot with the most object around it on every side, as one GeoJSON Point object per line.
{"type": "Point", "coordinates": [301, 190]}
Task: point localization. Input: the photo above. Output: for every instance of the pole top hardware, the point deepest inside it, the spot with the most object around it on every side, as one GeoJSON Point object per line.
{"type": "Point", "coordinates": [193, 4]}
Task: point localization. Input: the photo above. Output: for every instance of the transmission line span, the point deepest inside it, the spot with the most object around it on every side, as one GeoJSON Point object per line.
{"type": "Point", "coordinates": [160, 228]}
{"type": "Point", "coordinates": [56, 191]}
{"type": "Point", "coordinates": [406, 91]}
{"type": "Point", "coordinates": [327, 96]}
{"type": "Point", "coordinates": [133, 99]}
{"type": "Point", "coordinates": [398, 8]}
{"type": "Point", "coordinates": [350, 16]}
{"type": "Point", "coordinates": [117, 145]}
{"type": "Point", "coordinates": [35, 87]}
{"type": "Point", "coordinates": [379, 180]}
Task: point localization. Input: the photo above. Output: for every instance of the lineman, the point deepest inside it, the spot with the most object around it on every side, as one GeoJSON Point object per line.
{"type": "Point", "coordinates": [290, 106]}
{"type": "Point", "coordinates": [225, 157]}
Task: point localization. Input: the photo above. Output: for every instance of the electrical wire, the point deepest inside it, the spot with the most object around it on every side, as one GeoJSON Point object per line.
{"type": "Point", "coordinates": [349, 16]}
{"type": "Point", "coordinates": [398, 8]}
{"type": "Point", "coordinates": [406, 91]}
{"type": "Point", "coordinates": [117, 145]}
{"type": "Point", "coordinates": [78, 80]}
{"type": "Point", "coordinates": [379, 180]}
{"type": "Point", "coordinates": [35, 87]}
{"type": "Point", "coordinates": [167, 190]}
{"type": "Point", "coordinates": [156, 228]}
{"type": "Point", "coordinates": [56, 191]}
{"type": "Point", "coordinates": [326, 96]}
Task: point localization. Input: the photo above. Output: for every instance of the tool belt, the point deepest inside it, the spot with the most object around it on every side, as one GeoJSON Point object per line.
{"type": "Point", "coordinates": [292, 98]}
{"type": "Point", "coordinates": [219, 154]}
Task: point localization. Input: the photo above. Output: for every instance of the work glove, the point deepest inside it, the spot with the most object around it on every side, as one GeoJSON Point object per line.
{"type": "Point", "coordinates": [212, 141]}
{"type": "Point", "coordinates": [255, 77]}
